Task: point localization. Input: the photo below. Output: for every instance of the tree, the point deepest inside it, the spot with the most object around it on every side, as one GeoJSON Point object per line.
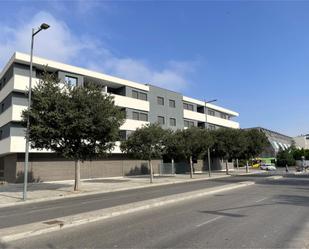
{"type": "Point", "coordinates": [256, 142]}
{"type": "Point", "coordinates": [79, 123]}
{"type": "Point", "coordinates": [146, 143]}
{"type": "Point", "coordinates": [285, 157]}
{"type": "Point", "coordinates": [188, 144]}
{"type": "Point", "coordinates": [229, 144]}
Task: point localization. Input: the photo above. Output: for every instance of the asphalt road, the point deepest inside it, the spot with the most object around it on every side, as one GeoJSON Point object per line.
{"type": "Point", "coordinates": [24, 214]}
{"type": "Point", "coordinates": [270, 214]}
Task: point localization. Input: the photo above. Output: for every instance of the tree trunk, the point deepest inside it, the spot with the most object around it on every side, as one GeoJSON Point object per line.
{"type": "Point", "coordinates": [226, 167]}
{"type": "Point", "coordinates": [151, 171]}
{"type": "Point", "coordinates": [237, 163]}
{"type": "Point", "coordinates": [77, 175]}
{"type": "Point", "coordinates": [247, 167]}
{"type": "Point", "coordinates": [191, 167]}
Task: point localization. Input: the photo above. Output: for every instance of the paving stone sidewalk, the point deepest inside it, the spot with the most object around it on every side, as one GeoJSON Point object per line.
{"type": "Point", "coordinates": [11, 194]}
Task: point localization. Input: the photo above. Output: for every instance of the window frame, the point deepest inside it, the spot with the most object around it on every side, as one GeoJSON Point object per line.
{"type": "Point", "coordinates": [174, 120]}
{"type": "Point", "coordinates": [163, 118]}
{"type": "Point", "coordinates": [158, 100]}
{"type": "Point", "coordinates": [172, 101]}
{"type": "Point", "coordinates": [71, 77]}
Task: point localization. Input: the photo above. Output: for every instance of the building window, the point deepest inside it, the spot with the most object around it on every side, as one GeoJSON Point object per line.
{"type": "Point", "coordinates": [161, 120]}
{"type": "Point", "coordinates": [172, 122]}
{"type": "Point", "coordinates": [134, 94]}
{"type": "Point", "coordinates": [143, 117]}
{"type": "Point", "coordinates": [188, 106]}
{"type": "Point", "coordinates": [72, 81]}
{"type": "Point", "coordinates": [2, 107]}
{"type": "Point", "coordinates": [211, 127]}
{"type": "Point", "coordinates": [188, 123]}
{"type": "Point", "coordinates": [172, 103]}
{"type": "Point", "coordinates": [1, 134]}
{"type": "Point", "coordinates": [142, 96]}
{"type": "Point", "coordinates": [140, 116]}
{"type": "Point", "coordinates": [211, 112]}
{"type": "Point", "coordinates": [136, 115]}
{"type": "Point", "coordinates": [139, 95]}
{"type": "Point", "coordinates": [160, 100]}
{"type": "Point", "coordinates": [223, 115]}
{"type": "Point", "coordinates": [122, 135]}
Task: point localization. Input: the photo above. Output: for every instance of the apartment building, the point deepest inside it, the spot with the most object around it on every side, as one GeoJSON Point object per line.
{"type": "Point", "coordinates": [143, 104]}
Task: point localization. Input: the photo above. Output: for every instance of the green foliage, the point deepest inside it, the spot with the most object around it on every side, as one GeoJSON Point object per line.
{"type": "Point", "coordinates": [79, 123]}
{"type": "Point", "coordinates": [146, 143]}
{"type": "Point", "coordinates": [285, 157]}
{"type": "Point", "coordinates": [298, 153]}
{"type": "Point", "coordinates": [191, 142]}
{"type": "Point", "coordinates": [255, 142]}
{"type": "Point", "coordinates": [229, 143]}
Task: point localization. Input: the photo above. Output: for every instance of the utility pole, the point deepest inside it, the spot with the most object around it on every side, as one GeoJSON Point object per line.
{"type": "Point", "coordinates": [34, 32]}
{"type": "Point", "coordinates": [206, 126]}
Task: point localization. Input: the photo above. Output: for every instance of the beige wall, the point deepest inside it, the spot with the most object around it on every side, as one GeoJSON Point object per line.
{"type": "Point", "coordinates": [47, 167]}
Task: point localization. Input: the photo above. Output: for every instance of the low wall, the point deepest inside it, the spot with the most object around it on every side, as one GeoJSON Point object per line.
{"type": "Point", "coordinates": [50, 167]}
{"type": "Point", "coordinates": [300, 163]}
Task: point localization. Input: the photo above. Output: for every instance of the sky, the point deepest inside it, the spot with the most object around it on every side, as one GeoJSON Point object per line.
{"type": "Point", "coordinates": [252, 56]}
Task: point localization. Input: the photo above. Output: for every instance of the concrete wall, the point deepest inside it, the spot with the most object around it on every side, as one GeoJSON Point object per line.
{"type": "Point", "coordinates": [166, 111]}
{"type": "Point", "coordinates": [49, 167]}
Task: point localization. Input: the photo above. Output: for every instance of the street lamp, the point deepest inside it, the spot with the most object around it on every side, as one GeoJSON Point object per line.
{"type": "Point", "coordinates": [206, 125]}
{"type": "Point", "coordinates": [43, 26]}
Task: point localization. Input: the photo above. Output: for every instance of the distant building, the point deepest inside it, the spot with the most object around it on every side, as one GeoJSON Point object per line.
{"type": "Point", "coordinates": [302, 141]}
{"type": "Point", "coordinates": [276, 140]}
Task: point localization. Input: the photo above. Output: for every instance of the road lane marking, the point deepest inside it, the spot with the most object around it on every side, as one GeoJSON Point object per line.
{"type": "Point", "coordinates": [208, 221]}
{"type": "Point", "coordinates": [261, 199]}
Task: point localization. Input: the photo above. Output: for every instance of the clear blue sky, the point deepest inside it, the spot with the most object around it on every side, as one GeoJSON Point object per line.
{"type": "Point", "coordinates": [252, 56]}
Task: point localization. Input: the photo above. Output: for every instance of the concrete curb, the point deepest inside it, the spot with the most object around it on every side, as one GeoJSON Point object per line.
{"type": "Point", "coordinates": [37, 228]}
{"type": "Point", "coordinates": [105, 191]}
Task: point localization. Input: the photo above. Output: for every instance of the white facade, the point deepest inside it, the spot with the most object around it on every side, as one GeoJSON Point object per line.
{"type": "Point", "coordinates": [13, 86]}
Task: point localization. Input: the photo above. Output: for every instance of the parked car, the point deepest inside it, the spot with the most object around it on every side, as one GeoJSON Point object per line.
{"type": "Point", "coordinates": [267, 167]}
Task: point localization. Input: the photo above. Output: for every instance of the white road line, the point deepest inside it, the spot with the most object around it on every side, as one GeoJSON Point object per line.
{"type": "Point", "coordinates": [261, 199]}
{"type": "Point", "coordinates": [208, 221]}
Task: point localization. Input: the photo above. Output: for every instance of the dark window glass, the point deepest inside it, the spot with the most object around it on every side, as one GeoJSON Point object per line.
{"type": "Point", "coordinates": [72, 81]}
{"type": "Point", "coordinates": [142, 96]}
{"type": "Point", "coordinates": [161, 120]}
{"type": "Point", "coordinates": [211, 112]}
{"type": "Point", "coordinates": [2, 107]}
{"type": "Point", "coordinates": [160, 100]}
{"type": "Point", "coordinates": [122, 135]}
{"type": "Point", "coordinates": [223, 115]}
{"type": "Point", "coordinates": [172, 103]}
{"type": "Point", "coordinates": [172, 122]}
{"type": "Point", "coordinates": [188, 123]}
{"type": "Point", "coordinates": [143, 117]}
{"type": "Point", "coordinates": [134, 94]}
{"type": "Point", "coordinates": [135, 115]}
{"type": "Point", "coordinates": [211, 127]}
{"type": "Point", "coordinates": [188, 106]}
{"type": "Point", "coordinates": [0, 134]}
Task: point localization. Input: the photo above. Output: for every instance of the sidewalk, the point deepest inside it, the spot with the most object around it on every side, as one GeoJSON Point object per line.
{"type": "Point", "coordinates": [11, 194]}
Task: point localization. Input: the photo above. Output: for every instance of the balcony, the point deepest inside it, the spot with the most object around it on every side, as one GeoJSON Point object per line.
{"type": "Point", "coordinates": [222, 122]}
{"type": "Point", "coordinates": [129, 102]}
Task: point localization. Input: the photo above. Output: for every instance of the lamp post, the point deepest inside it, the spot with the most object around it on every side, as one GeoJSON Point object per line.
{"type": "Point", "coordinates": [206, 125]}
{"type": "Point", "coordinates": [34, 32]}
